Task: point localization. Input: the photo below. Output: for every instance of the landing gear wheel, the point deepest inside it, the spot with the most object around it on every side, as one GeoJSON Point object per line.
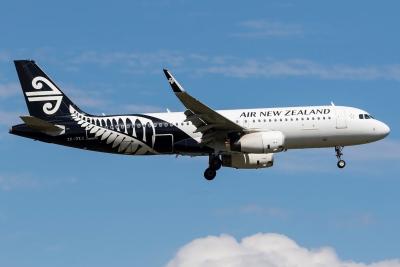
{"type": "Point", "coordinates": [341, 164]}
{"type": "Point", "coordinates": [210, 174]}
{"type": "Point", "coordinates": [215, 163]}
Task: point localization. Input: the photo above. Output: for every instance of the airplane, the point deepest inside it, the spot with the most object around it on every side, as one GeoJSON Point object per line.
{"type": "Point", "coordinates": [241, 138]}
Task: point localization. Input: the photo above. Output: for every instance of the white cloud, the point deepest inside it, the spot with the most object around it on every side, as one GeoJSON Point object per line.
{"type": "Point", "coordinates": [264, 29]}
{"type": "Point", "coordinates": [260, 250]}
{"type": "Point", "coordinates": [145, 62]}
{"type": "Point", "coordinates": [19, 181]}
{"type": "Point", "coordinates": [11, 182]}
{"type": "Point", "coordinates": [269, 68]}
{"type": "Point", "coordinates": [137, 62]}
{"type": "Point", "coordinates": [133, 62]}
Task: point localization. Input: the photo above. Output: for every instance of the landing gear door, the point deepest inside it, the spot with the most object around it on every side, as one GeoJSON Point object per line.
{"type": "Point", "coordinates": [341, 119]}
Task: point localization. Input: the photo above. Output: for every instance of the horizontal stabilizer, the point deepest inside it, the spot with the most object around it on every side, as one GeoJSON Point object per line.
{"type": "Point", "coordinates": [43, 126]}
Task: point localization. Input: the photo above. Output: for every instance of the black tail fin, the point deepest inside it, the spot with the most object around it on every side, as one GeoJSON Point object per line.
{"type": "Point", "coordinates": [43, 97]}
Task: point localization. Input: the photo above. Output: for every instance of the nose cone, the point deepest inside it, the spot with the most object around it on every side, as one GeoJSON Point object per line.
{"type": "Point", "coordinates": [382, 130]}
{"type": "Point", "coordinates": [385, 130]}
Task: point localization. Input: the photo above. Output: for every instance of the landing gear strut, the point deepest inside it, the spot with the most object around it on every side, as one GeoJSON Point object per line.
{"type": "Point", "coordinates": [214, 164]}
{"type": "Point", "coordinates": [341, 163]}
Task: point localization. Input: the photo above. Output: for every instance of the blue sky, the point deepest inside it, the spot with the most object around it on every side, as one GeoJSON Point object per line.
{"type": "Point", "coordinates": [66, 207]}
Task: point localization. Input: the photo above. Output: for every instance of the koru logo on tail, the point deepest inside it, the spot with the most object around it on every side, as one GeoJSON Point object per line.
{"type": "Point", "coordinates": [48, 96]}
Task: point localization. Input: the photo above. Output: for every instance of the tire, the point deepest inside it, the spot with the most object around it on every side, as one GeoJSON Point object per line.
{"type": "Point", "coordinates": [341, 164]}
{"type": "Point", "coordinates": [210, 174]}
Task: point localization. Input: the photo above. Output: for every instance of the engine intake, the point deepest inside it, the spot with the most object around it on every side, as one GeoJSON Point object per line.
{"type": "Point", "coordinates": [260, 143]}
{"type": "Point", "coordinates": [248, 161]}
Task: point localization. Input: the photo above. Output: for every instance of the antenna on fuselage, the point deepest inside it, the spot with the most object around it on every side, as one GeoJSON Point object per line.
{"type": "Point", "coordinates": [168, 110]}
{"type": "Point", "coordinates": [332, 104]}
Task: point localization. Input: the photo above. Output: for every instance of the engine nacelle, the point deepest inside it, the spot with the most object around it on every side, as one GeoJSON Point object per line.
{"type": "Point", "coordinates": [260, 142]}
{"type": "Point", "coordinates": [248, 161]}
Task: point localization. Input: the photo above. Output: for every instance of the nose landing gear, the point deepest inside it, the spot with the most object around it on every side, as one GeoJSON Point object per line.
{"type": "Point", "coordinates": [215, 164]}
{"type": "Point", "coordinates": [341, 163]}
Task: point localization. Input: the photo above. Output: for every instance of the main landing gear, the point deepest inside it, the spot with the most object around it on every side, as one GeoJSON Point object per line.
{"type": "Point", "coordinates": [341, 163]}
{"type": "Point", "coordinates": [214, 164]}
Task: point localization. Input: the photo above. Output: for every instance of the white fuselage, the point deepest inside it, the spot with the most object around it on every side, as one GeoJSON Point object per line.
{"type": "Point", "coordinates": [303, 127]}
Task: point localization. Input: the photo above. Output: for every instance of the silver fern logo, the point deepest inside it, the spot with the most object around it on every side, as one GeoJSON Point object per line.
{"type": "Point", "coordinates": [119, 132]}
{"type": "Point", "coordinates": [48, 96]}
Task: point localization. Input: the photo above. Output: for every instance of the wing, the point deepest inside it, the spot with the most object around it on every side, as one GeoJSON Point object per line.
{"type": "Point", "coordinates": [206, 120]}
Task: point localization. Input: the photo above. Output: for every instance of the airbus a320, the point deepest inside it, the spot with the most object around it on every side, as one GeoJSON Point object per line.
{"type": "Point", "coordinates": [240, 138]}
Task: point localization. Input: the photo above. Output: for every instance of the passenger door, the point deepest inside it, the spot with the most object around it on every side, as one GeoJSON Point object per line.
{"type": "Point", "coordinates": [341, 120]}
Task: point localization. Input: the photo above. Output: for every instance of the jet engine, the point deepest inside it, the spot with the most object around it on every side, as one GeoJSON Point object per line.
{"type": "Point", "coordinates": [248, 161]}
{"type": "Point", "coordinates": [260, 142]}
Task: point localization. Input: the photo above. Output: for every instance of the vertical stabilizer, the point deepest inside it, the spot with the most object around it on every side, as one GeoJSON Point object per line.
{"type": "Point", "coordinates": [43, 97]}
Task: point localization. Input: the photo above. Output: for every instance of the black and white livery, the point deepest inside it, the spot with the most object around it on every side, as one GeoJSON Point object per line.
{"type": "Point", "coordinates": [241, 139]}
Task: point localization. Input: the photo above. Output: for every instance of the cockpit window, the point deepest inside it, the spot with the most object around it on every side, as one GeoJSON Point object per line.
{"type": "Point", "coordinates": [365, 116]}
